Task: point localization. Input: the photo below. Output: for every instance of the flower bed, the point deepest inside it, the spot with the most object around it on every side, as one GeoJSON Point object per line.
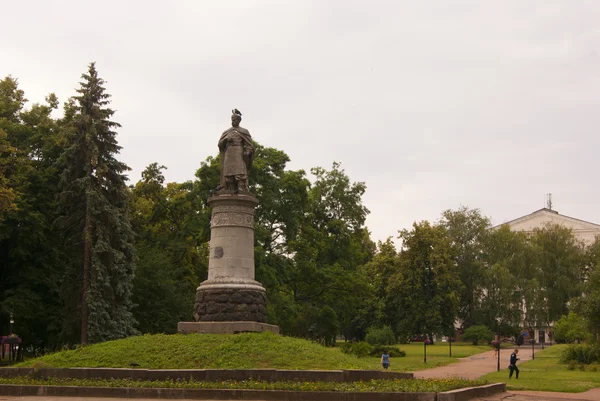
{"type": "Point", "coordinates": [399, 385]}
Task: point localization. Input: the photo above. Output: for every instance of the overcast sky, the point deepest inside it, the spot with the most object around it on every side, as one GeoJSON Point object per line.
{"type": "Point", "coordinates": [434, 104]}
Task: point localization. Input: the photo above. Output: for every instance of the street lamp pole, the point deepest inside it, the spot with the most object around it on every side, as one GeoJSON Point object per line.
{"type": "Point", "coordinates": [497, 345]}
{"type": "Point", "coordinates": [11, 323]}
{"type": "Point", "coordinates": [498, 355]}
{"type": "Point", "coordinates": [425, 350]}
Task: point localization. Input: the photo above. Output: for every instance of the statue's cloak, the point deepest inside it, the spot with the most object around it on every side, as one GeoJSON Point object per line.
{"type": "Point", "coordinates": [248, 153]}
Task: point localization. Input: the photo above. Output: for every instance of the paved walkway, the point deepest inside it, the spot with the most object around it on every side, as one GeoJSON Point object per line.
{"type": "Point", "coordinates": [591, 395]}
{"type": "Point", "coordinates": [477, 365]}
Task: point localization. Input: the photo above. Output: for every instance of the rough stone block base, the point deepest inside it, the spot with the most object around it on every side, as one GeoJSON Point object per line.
{"type": "Point", "coordinates": [230, 305]}
{"type": "Point", "coordinates": [224, 327]}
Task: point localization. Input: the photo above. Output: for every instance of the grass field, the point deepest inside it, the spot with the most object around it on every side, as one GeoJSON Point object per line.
{"type": "Point", "coordinates": [437, 355]}
{"type": "Point", "coordinates": [240, 351]}
{"type": "Point", "coordinates": [546, 373]}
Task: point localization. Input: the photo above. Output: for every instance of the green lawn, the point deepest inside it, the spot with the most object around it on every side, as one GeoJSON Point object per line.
{"type": "Point", "coordinates": [240, 351]}
{"type": "Point", "coordinates": [546, 373]}
{"type": "Point", "coordinates": [437, 355]}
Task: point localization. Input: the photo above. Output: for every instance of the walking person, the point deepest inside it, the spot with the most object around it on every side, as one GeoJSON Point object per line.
{"type": "Point", "coordinates": [385, 359]}
{"type": "Point", "coordinates": [513, 364]}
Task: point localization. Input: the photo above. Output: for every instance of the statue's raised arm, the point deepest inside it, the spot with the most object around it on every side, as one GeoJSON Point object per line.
{"type": "Point", "coordinates": [237, 153]}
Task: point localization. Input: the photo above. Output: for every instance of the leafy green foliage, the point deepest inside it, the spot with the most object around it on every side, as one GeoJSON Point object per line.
{"type": "Point", "coordinates": [426, 288]}
{"type": "Point", "coordinates": [360, 349]}
{"type": "Point", "coordinates": [172, 249]}
{"type": "Point", "coordinates": [560, 262]}
{"type": "Point", "coordinates": [582, 353]}
{"type": "Point", "coordinates": [380, 336]}
{"type": "Point", "coordinates": [377, 309]}
{"type": "Point", "coordinates": [588, 306]}
{"type": "Point", "coordinates": [7, 194]}
{"type": "Point", "coordinates": [571, 328]}
{"type": "Point", "coordinates": [30, 252]}
{"type": "Point", "coordinates": [467, 231]}
{"type": "Point", "coordinates": [393, 352]}
{"type": "Point", "coordinates": [477, 334]}
{"type": "Point", "coordinates": [387, 386]}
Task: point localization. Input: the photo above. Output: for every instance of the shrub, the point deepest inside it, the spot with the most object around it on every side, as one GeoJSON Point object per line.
{"type": "Point", "coordinates": [478, 333]}
{"type": "Point", "coordinates": [582, 353]}
{"type": "Point", "coordinates": [571, 328]}
{"type": "Point", "coordinates": [384, 336]}
{"type": "Point", "coordinates": [360, 349]}
{"type": "Point", "coordinates": [394, 352]}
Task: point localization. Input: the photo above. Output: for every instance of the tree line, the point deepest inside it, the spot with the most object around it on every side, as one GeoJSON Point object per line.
{"type": "Point", "coordinates": [86, 258]}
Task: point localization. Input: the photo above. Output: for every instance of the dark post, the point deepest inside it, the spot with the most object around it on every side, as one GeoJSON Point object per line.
{"type": "Point", "coordinates": [11, 323]}
{"type": "Point", "coordinates": [532, 348]}
{"type": "Point", "coordinates": [498, 355]}
{"type": "Point", "coordinates": [425, 340]}
{"type": "Point", "coordinates": [450, 342]}
{"type": "Point", "coordinates": [497, 345]}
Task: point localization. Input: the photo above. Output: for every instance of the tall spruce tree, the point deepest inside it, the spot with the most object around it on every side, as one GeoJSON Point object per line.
{"type": "Point", "coordinates": [95, 218]}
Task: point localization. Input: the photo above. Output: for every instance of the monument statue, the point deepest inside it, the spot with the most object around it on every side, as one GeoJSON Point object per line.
{"type": "Point", "coordinates": [237, 152]}
{"type": "Point", "coordinates": [230, 300]}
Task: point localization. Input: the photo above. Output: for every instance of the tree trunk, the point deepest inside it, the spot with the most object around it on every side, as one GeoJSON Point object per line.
{"type": "Point", "coordinates": [87, 261]}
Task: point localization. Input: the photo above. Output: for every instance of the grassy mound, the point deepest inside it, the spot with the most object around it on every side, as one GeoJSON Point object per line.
{"type": "Point", "coordinates": [205, 351]}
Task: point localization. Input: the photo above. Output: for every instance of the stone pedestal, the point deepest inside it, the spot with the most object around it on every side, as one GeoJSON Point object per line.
{"type": "Point", "coordinates": [230, 294]}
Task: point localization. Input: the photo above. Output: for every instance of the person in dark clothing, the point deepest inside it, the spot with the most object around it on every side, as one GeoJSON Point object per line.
{"type": "Point", "coordinates": [513, 364]}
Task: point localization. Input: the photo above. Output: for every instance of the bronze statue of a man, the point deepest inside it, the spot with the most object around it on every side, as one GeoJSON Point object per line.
{"type": "Point", "coordinates": [237, 152]}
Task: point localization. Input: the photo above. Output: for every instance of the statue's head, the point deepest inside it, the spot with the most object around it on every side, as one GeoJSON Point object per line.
{"type": "Point", "coordinates": [236, 117]}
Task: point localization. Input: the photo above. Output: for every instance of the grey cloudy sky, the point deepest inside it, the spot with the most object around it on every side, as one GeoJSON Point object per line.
{"type": "Point", "coordinates": [434, 104]}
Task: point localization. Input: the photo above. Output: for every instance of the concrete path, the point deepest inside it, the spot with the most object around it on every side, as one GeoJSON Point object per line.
{"type": "Point", "coordinates": [474, 366]}
{"type": "Point", "coordinates": [590, 395]}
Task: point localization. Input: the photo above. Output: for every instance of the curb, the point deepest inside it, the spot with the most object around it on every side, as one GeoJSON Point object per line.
{"type": "Point", "coordinates": [472, 392]}
{"type": "Point", "coordinates": [263, 395]}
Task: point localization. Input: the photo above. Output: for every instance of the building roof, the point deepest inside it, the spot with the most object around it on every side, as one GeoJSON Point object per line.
{"type": "Point", "coordinates": [582, 229]}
